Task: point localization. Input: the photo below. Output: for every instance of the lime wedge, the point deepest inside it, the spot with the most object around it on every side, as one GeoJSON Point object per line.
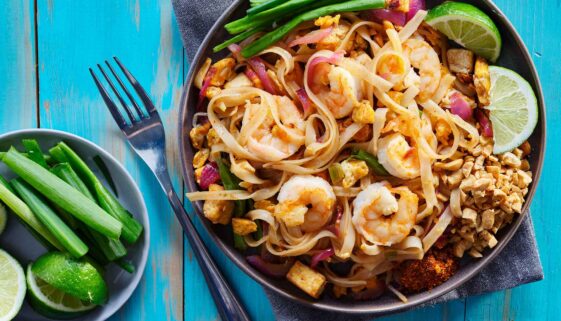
{"type": "Point", "coordinates": [513, 109]}
{"type": "Point", "coordinates": [12, 287]}
{"type": "Point", "coordinates": [78, 278]}
{"type": "Point", "coordinates": [468, 26]}
{"type": "Point", "coordinates": [51, 302]}
{"type": "Point", "coordinates": [3, 218]}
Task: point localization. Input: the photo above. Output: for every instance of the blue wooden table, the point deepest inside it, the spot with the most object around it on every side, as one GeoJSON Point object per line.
{"type": "Point", "coordinates": [46, 47]}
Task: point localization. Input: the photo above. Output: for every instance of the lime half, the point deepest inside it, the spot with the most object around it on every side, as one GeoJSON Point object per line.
{"type": "Point", "coordinates": [468, 26]}
{"type": "Point", "coordinates": [78, 278]}
{"type": "Point", "coordinates": [52, 302]}
{"type": "Point", "coordinates": [3, 217]}
{"type": "Point", "coordinates": [513, 109]}
{"type": "Point", "coordinates": [12, 287]}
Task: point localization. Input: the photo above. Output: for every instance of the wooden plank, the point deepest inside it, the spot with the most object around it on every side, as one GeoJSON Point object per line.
{"type": "Point", "coordinates": [74, 35]}
{"type": "Point", "coordinates": [18, 97]}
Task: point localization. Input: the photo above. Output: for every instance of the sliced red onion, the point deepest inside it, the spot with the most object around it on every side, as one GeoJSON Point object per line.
{"type": "Point", "coordinates": [206, 83]}
{"type": "Point", "coordinates": [459, 106]}
{"type": "Point", "coordinates": [414, 7]}
{"type": "Point", "coordinates": [305, 101]}
{"type": "Point", "coordinates": [312, 37]}
{"type": "Point", "coordinates": [270, 269]}
{"type": "Point", "coordinates": [483, 120]}
{"type": "Point", "coordinates": [209, 175]}
{"type": "Point", "coordinates": [258, 65]}
{"type": "Point", "coordinates": [235, 49]}
{"type": "Point", "coordinates": [333, 59]}
{"type": "Point", "coordinates": [396, 17]}
{"type": "Point", "coordinates": [322, 256]}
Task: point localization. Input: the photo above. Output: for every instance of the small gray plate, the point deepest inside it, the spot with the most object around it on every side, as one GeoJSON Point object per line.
{"type": "Point", "coordinates": [17, 241]}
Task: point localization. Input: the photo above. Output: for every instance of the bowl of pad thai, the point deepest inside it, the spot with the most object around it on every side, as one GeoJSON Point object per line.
{"type": "Point", "coordinates": [364, 155]}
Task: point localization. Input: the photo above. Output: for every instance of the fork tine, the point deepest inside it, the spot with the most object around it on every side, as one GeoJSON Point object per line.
{"type": "Point", "coordinates": [131, 98]}
{"type": "Point", "coordinates": [138, 88]}
{"type": "Point", "coordinates": [109, 102]}
{"type": "Point", "coordinates": [121, 100]}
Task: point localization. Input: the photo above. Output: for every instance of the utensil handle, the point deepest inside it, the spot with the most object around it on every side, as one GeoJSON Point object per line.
{"type": "Point", "coordinates": [227, 304]}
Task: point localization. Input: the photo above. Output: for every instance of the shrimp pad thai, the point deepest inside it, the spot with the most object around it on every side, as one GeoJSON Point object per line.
{"type": "Point", "coordinates": [356, 155]}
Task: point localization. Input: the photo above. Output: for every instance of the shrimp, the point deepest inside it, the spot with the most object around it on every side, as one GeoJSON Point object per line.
{"type": "Point", "coordinates": [339, 89]}
{"type": "Point", "coordinates": [424, 58]}
{"type": "Point", "coordinates": [305, 201]}
{"type": "Point", "coordinates": [270, 142]}
{"type": "Point", "coordinates": [380, 217]}
{"type": "Point", "coordinates": [398, 157]}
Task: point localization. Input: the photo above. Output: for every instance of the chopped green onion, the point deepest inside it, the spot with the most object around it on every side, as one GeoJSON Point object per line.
{"type": "Point", "coordinates": [111, 249]}
{"type": "Point", "coordinates": [67, 238]}
{"type": "Point", "coordinates": [23, 211]}
{"type": "Point", "coordinates": [62, 194]}
{"type": "Point", "coordinates": [274, 36]}
{"type": "Point", "coordinates": [105, 171]}
{"type": "Point", "coordinates": [131, 227]}
{"type": "Point", "coordinates": [336, 172]}
{"type": "Point", "coordinates": [34, 152]}
{"type": "Point", "coordinates": [371, 161]}
{"type": "Point", "coordinates": [126, 265]}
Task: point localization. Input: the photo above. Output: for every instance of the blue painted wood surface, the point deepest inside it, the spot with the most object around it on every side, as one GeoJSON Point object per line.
{"type": "Point", "coordinates": [74, 35]}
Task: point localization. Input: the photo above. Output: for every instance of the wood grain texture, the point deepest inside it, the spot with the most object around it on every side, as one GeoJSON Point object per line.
{"type": "Point", "coordinates": [75, 35]}
{"type": "Point", "coordinates": [17, 67]}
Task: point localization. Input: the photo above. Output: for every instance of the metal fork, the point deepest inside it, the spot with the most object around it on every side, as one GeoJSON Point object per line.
{"type": "Point", "coordinates": [145, 134]}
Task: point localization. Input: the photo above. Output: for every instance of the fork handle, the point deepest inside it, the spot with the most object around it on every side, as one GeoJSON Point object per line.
{"type": "Point", "coordinates": [227, 304]}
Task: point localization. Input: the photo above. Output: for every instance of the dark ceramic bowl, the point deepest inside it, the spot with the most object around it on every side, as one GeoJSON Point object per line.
{"type": "Point", "coordinates": [514, 56]}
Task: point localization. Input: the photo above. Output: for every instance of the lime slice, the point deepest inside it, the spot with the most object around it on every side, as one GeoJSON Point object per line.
{"type": "Point", "coordinates": [468, 26]}
{"type": "Point", "coordinates": [3, 218]}
{"type": "Point", "coordinates": [513, 109]}
{"type": "Point", "coordinates": [12, 286]}
{"type": "Point", "coordinates": [78, 278]}
{"type": "Point", "coordinates": [51, 302]}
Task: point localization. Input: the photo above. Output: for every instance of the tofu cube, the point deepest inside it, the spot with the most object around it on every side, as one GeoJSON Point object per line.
{"type": "Point", "coordinates": [243, 226]}
{"type": "Point", "coordinates": [218, 211]}
{"type": "Point", "coordinates": [307, 279]}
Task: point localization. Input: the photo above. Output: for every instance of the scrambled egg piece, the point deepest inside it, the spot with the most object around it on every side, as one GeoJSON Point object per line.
{"type": "Point", "coordinates": [327, 21]}
{"type": "Point", "coordinates": [200, 158]}
{"type": "Point", "coordinates": [482, 81]}
{"type": "Point", "coordinates": [291, 213]}
{"type": "Point", "coordinates": [197, 135]}
{"type": "Point", "coordinates": [460, 61]}
{"type": "Point", "coordinates": [363, 113]}
{"type": "Point", "coordinates": [243, 226]}
{"type": "Point", "coordinates": [218, 212]}
{"type": "Point", "coordinates": [265, 205]}
{"type": "Point", "coordinates": [212, 91]}
{"type": "Point", "coordinates": [307, 279]}
{"type": "Point", "coordinates": [354, 170]}
{"type": "Point", "coordinates": [224, 71]}
{"type": "Point", "coordinates": [332, 41]}
{"type": "Point", "coordinates": [212, 137]}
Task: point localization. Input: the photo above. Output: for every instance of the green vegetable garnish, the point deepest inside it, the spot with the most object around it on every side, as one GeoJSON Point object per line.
{"type": "Point", "coordinates": [62, 194]}
{"type": "Point", "coordinates": [231, 182]}
{"type": "Point", "coordinates": [371, 161]}
{"type": "Point", "coordinates": [274, 36]}
{"type": "Point", "coordinates": [336, 172]}
{"type": "Point", "coordinates": [67, 238]}
{"type": "Point", "coordinates": [264, 5]}
{"type": "Point", "coordinates": [34, 152]}
{"type": "Point", "coordinates": [242, 36]}
{"type": "Point", "coordinates": [131, 227]}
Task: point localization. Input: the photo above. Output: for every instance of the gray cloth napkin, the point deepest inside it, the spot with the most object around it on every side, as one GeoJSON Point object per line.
{"type": "Point", "coordinates": [519, 263]}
